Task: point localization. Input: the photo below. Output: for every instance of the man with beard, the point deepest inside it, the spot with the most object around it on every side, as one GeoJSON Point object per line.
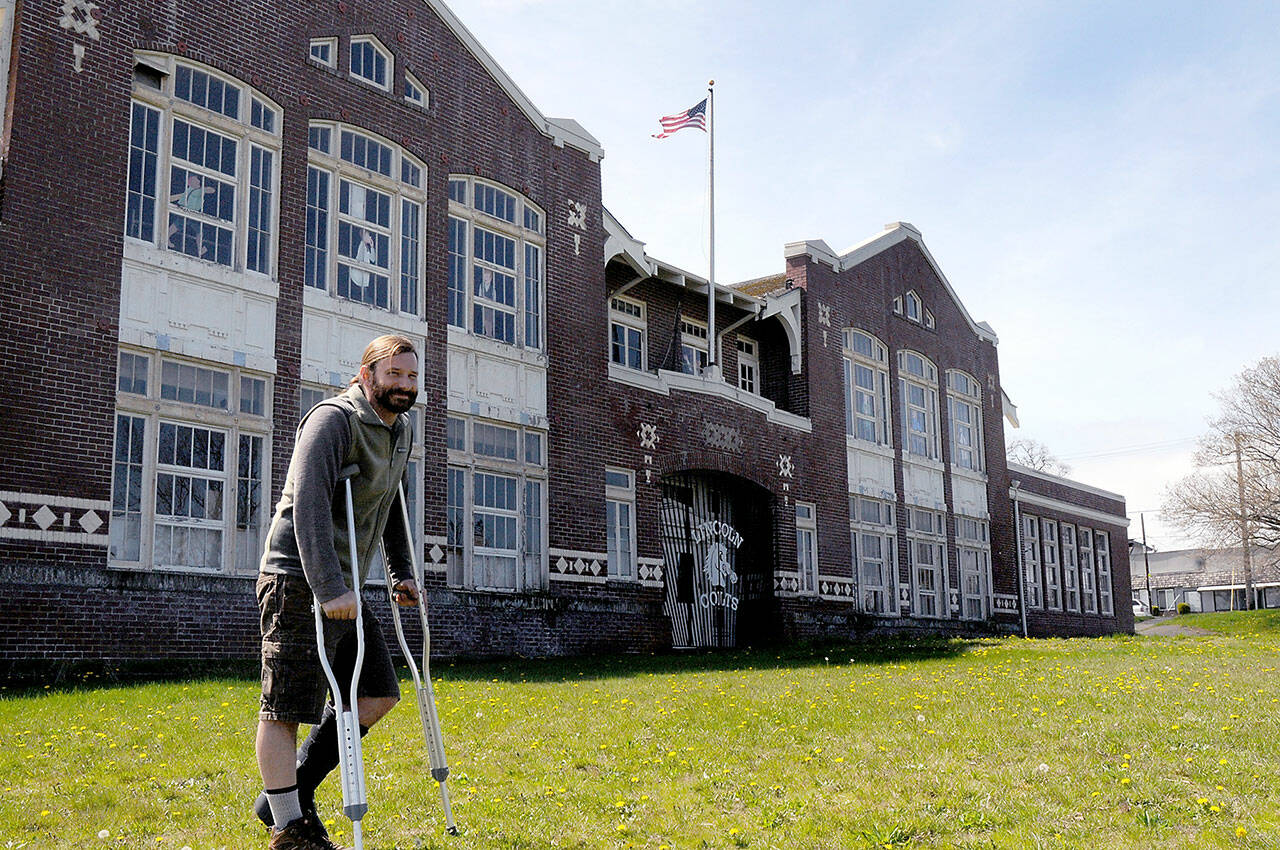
{"type": "Point", "coordinates": [363, 434]}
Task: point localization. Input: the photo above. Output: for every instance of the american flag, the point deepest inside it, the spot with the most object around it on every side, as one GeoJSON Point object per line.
{"type": "Point", "coordinates": [694, 116]}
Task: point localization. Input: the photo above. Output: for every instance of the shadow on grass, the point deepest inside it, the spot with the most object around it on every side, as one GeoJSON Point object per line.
{"type": "Point", "coordinates": [30, 679]}
{"type": "Point", "coordinates": [889, 650]}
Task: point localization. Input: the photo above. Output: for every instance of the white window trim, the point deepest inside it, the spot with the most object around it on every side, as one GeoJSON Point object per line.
{"type": "Point", "coordinates": [425, 101]}
{"type": "Point", "coordinates": [471, 463]}
{"type": "Point", "coordinates": [1032, 579]}
{"type": "Point", "coordinates": [332, 44]}
{"type": "Point", "coordinates": [1070, 569]}
{"type": "Point", "coordinates": [1051, 561]}
{"type": "Point", "coordinates": [1088, 571]}
{"type": "Point", "coordinates": [748, 358]}
{"type": "Point", "coordinates": [153, 410]}
{"type": "Point", "coordinates": [936, 538]}
{"type": "Point", "coordinates": [241, 130]}
{"type": "Point", "coordinates": [1102, 558]}
{"type": "Point", "coordinates": [929, 384]}
{"type": "Point", "coordinates": [638, 323]}
{"type": "Point", "coordinates": [809, 525]}
{"type": "Point", "coordinates": [973, 401]}
{"type": "Point", "coordinates": [693, 335]}
{"type": "Point", "coordinates": [622, 495]}
{"type": "Point", "coordinates": [878, 363]}
{"type": "Point", "coordinates": [474, 217]}
{"type": "Point", "coordinates": [981, 548]}
{"type": "Point", "coordinates": [887, 534]}
{"type": "Point", "coordinates": [340, 169]}
{"type": "Point", "coordinates": [378, 47]}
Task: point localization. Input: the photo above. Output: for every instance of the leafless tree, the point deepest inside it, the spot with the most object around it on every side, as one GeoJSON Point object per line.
{"type": "Point", "coordinates": [1207, 504]}
{"type": "Point", "coordinates": [1035, 455]}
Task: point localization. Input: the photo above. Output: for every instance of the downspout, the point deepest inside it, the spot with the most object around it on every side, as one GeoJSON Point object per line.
{"type": "Point", "coordinates": [1022, 571]}
{"type": "Point", "coordinates": [720, 336]}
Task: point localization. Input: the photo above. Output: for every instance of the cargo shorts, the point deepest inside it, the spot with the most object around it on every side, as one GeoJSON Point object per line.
{"type": "Point", "coordinates": [293, 682]}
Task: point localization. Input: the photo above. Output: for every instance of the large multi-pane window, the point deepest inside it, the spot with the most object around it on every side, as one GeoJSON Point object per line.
{"type": "Point", "coordinates": [1070, 569]}
{"type": "Point", "coordinates": [495, 273]}
{"type": "Point", "coordinates": [370, 61]}
{"type": "Point", "coordinates": [807, 546]}
{"type": "Point", "coordinates": [1052, 576]}
{"type": "Point", "coordinates": [203, 159]}
{"type": "Point", "coordinates": [874, 549]}
{"type": "Point", "coordinates": [918, 396]}
{"type": "Point", "coordinates": [926, 550]}
{"type": "Point", "coordinates": [964, 406]}
{"type": "Point", "coordinates": [495, 496]}
{"type": "Point", "coordinates": [1031, 562]}
{"type": "Point", "coordinates": [620, 522]}
{"type": "Point", "coordinates": [1088, 573]}
{"type": "Point", "coordinates": [627, 332]}
{"type": "Point", "coordinates": [973, 547]}
{"type": "Point", "coordinates": [866, 387]}
{"type": "Point", "coordinates": [1102, 556]}
{"type": "Point", "coordinates": [363, 230]}
{"type": "Point", "coordinates": [190, 464]}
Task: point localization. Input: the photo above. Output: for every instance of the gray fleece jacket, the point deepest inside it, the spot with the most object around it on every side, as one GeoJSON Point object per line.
{"type": "Point", "coordinates": [308, 534]}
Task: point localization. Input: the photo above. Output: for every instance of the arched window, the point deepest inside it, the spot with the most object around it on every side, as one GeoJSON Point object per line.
{"type": "Point", "coordinates": [964, 408]}
{"type": "Point", "coordinates": [866, 387]}
{"type": "Point", "coordinates": [364, 219]}
{"type": "Point", "coordinates": [203, 154]}
{"type": "Point", "coordinates": [918, 392]}
{"type": "Point", "coordinates": [496, 246]}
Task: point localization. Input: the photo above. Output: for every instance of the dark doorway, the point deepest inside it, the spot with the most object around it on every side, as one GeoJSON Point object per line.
{"type": "Point", "coordinates": [717, 541]}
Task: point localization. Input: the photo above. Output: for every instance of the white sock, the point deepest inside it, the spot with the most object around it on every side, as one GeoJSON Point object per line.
{"type": "Point", "coordinates": [285, 808]}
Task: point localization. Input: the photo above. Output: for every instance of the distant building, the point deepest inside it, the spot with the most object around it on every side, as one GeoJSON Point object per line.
{"type": "Point", "coordinates": [1206, 579]}
{"type": "Point", "coordinates": [203, 223]}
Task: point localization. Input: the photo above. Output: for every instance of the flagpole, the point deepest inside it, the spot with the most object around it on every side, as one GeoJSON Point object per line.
{"type": "Point", "coordinates": [712, 346]}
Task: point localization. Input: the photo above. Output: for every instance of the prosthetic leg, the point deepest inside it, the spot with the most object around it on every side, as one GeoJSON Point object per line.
{"type": "Point", "coordinates": [422, 683]}
{"type": "Point", "coordinates": [351, 763]}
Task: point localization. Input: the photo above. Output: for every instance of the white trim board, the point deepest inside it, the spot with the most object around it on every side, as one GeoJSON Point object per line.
{"type": "Point", "coordinates": [1039, 501]}
{"type": "Point", "coordinates": [1066, 482]}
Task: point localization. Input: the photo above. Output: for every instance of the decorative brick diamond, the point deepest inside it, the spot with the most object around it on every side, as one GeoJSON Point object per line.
{"type": "Point", "coordinates": [562, 566]}
{"type": "Point", "coordinates": [90, 522]}
{"type": "Point", "coordinates": [579, 567]}
{"type": "Point", "coordinates": [44, 518]}
{"type": "Point", "coordinates": [5, 513]}
{"type": "Point", "coordinates": [595, 568]}
{"type": "Point", "coordinates": [436, 553]}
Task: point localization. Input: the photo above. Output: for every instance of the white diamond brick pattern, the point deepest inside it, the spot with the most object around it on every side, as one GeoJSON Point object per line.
{"type": "Point", "coordinates": [48, 518]}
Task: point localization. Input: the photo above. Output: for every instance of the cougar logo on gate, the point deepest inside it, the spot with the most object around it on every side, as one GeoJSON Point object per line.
{"type": "Point", "coordinates": [719, 537]}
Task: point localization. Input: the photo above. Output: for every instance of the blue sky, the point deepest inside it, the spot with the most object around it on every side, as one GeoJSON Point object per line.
{"type": "Point", "coordinates": [1098, 181]}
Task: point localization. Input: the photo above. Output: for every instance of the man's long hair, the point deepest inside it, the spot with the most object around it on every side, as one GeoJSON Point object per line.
{"type": "Point", "coordinates": [387, 345]}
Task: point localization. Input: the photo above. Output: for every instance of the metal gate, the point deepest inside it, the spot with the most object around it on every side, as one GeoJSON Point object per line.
{"type": "Point", "coordinates": [717, 541]}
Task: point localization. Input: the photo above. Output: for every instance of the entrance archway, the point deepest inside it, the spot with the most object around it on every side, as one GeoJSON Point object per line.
{"type": "Point", "coordinates": [717, 541]}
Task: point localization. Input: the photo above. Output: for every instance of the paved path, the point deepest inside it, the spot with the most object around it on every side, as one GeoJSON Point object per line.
{"type": "Point", "coordinates": [1168, 627]}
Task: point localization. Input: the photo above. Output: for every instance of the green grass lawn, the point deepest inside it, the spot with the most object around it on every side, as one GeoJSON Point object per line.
{"type": "Point", "coordinates": [1111, 743]}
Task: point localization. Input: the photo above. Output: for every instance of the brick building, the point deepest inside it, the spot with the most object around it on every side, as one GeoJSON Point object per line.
{"type": "Point", "coordinates": [202, 222]}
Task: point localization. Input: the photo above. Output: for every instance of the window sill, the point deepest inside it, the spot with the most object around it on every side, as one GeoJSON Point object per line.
{"type": "Point", "coordinates": [383, 321]}
{"type": "Point", "coordinates": [459, 338]}
{"type": "Point", "coordinates": [172, 261]}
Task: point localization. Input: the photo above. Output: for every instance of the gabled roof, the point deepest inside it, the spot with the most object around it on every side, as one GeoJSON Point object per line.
{"type": "Point", "coordinates": [562, 131]}
{"type": "Point", "coordinates": [892, 234]}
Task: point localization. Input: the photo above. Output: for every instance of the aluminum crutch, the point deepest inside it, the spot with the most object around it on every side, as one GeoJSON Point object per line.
{"type": "Point", "coordinates": [351, 761]}
{"type": "Point", "coordinates": [422, 684]}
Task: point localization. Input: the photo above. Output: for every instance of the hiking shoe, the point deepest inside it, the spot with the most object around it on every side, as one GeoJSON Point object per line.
{"type": "Point", "coordinates": [305, 833]}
